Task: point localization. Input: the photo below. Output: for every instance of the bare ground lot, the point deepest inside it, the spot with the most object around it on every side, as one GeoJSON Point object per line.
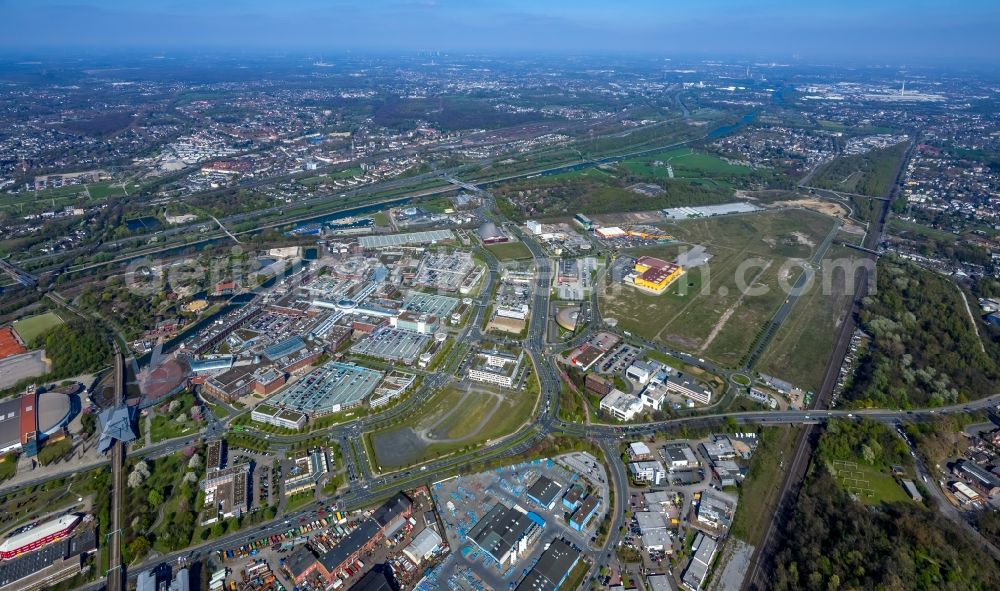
{"type": "Point", "coordinates": [735, 294]}
{"type": "Point", "coordinates": [454, 418]}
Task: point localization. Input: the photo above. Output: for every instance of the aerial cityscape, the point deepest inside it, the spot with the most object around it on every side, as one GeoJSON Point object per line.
{"type": "Point", "coordinates": [428, 296]}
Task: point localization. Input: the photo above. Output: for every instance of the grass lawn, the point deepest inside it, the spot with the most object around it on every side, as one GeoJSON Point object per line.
{"type": "Point", "coordinates": [32, 327]}
{"type": "Point", "coordinates": [299, 499]}
{"type": "Point", "coordinates": [381, 219]}
{"type": "Point", "coordinates": [168, 428]}
{"type": "Point", "coordinates": [510, 251]}
{"type": "Point", "coordinates": [451, 420]}
{"type": "Point", "coordinates": [8, 466]}
{"type": "Point", "coordinates": [686, 163]}
{"type": "Point", "coordinates": [100, 191]}
{"type": "Point", "coordinates": [801, 348]}
{"type": "Point", "coordinates": [759, 490]}
{"type": "Point", "coordinates": [705, 311]}
{"type": "Point", "coordinates": [871, 485]}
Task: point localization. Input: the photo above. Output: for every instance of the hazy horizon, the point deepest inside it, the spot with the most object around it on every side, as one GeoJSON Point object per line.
{"type": "Point", "coordinates": [851, 30]}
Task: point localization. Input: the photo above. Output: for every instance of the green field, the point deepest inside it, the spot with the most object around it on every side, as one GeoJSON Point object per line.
{"type": "Point", "coordinates": [705, 311]}
{"type": "Point", "coordinates": [801, 348]}
{"type": "Point", "coordinates": [452, 420]}
{"type": "Point", "coordinates": [32, 327]}
{"type": "Point", "coordinates": [759, 490]}
{"type": "Point", "coordinates": [872, 173]}
{"type": "Point", "coordinates": [687, 164]}
{"type": "Point", "coordinates": [871, 485]}
{"type": "Point", "coordinates": [510, 251]}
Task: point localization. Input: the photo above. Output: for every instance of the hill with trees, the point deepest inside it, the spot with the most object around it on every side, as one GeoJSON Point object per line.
{"type": "Point", "coordinates": [835, 541]}
{"type": "Point", "coordinates": [926, 351]}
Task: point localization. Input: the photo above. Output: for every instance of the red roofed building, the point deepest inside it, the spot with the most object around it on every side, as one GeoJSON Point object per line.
{"type": "Point", "coordinates": [37, 536]}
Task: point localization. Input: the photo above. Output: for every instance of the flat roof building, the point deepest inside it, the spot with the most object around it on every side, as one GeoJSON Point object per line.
{"type": "Point", "coordinates": [496, 367]}
{"type": "Point", "coordinates": [697, 570]}
{"type": "Point", "coordinates": [544, 491]}
{"type": "Point", "coordinates": [505, 533]}
{"type": "Point", "coordinates": [270, 414]}
{"type": "Point", "coordinates": [587, 510]}
{"type": "Point", "coordinates": [330, 388]}
{"type": "Point", "coordinates": [552, 569]}
{"type": "Point", "coordinates": [621, 406]}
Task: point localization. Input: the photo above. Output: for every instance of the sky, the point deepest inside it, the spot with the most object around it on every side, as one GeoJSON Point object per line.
{"type": "Point", "coordinates": [866, 30]}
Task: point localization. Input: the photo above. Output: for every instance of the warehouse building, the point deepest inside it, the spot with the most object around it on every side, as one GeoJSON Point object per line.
{"type": "Point", "coordinates": [552, 569]}
{"type": "Point", "coordinates": [426, 543]}
{"type": "Point", "coordinates": [506, 533]}
{"type": "Point", "coordinates": [654, 530]}
{"type": "Point", "coordinates": [655, 275]}
{"type": "Point", "coordinates": [697, 570]}
{"type": "Point", "coordinates": [544, 492]}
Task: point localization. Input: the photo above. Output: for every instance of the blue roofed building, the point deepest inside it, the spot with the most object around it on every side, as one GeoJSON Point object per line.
{"type": "Point", "coordinates": [116, 424]}
{"type": "Point", "coordinates": [284, 348]}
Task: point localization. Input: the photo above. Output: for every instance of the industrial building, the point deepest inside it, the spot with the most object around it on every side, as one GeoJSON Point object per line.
{"type": "Point", "coordinates": [303, 565]}
{"type": "Point", "coordinates": [330, 388]}
{"type": "Point", "coordinates": [506, 533]}
{"type": "Point", "coordinates": [552, 569]}
{"type": "Point", "coordinates": [981, 479]}
{"type": "Point", "coordinates": [680, 457]}
{"type": "Point", "coordinates": [716, 509]}
{"type": "Point", "coordinates": [585, 513]}
{"type": "Point", "coordinates": [544, 492]}
{"type": "Point", "coordinates": [496, 367]}
{"type": "Point", "coordinates": [426, 543]}
{"type": "Point", "coordinates": [654, 530]}
{"type": "Point", "coordinates": [396, 240]}
{"type": "Point", "coordinates": [697, 570]}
